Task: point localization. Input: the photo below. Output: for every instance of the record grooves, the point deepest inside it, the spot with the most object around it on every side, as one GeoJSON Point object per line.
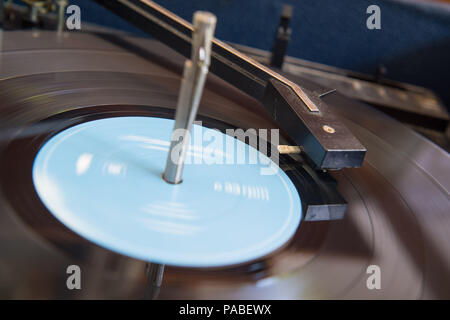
{"type": "Point", "coordinates": [19, 155]}
{"type": "Point", "coordinates": [397, 215]}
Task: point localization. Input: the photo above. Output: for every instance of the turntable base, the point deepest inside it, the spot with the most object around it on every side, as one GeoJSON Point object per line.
{"type": "Point", "coordinates": [398, 202]}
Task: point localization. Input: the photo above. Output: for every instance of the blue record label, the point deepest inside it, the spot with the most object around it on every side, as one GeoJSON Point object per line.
{"type": "Point", "coordinates": [103, 180]}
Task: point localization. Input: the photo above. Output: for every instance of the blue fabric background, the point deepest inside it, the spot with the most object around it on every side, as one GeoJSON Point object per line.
{"type": "Point", "coordinates": [413, 43]}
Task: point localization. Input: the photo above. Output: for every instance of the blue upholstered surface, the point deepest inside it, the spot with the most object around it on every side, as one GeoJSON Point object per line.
{"type": "Point", "coordinates": [414, 42]}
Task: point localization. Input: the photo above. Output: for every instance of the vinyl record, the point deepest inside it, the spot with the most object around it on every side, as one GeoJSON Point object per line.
{"type": "Point", "coordinates": [398, 202]}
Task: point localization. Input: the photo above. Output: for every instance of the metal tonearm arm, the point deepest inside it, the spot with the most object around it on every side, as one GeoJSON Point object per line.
{"type": "Point", "coordinates": [302, 114]}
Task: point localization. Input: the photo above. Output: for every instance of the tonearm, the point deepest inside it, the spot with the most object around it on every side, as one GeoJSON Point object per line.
{"type": "Point", "coordinates": [301, 113]}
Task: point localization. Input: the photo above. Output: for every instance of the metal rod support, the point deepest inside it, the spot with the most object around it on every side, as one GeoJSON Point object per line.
{"type": "Point", "coordinates": [62, 4]}
{"type": "Point", "coordinates": [194, 76]}
{"type": "Point", "coordinates": [155, 274]}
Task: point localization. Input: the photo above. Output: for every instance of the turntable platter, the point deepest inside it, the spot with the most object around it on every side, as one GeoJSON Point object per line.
{"type": "Point", "coordinates": [398, 213]}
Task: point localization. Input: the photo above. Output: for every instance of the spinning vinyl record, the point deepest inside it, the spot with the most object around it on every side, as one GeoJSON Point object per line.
{"type": "Point", "coordinates": [52, 85]}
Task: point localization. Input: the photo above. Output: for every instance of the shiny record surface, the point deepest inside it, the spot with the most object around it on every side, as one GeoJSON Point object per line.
{"type": "Point", "coordinates": [102, 179]}
{"type": "Point", "coordinates": [398, 215]}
